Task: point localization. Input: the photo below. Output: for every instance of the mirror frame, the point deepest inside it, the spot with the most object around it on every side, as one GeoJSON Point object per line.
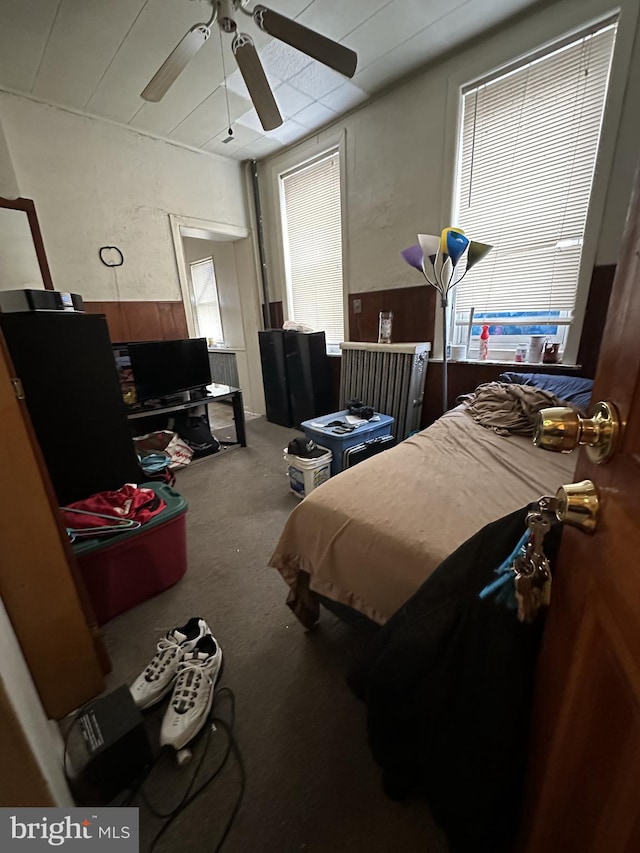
{"type": "Point", "coordinates": [28, 206]}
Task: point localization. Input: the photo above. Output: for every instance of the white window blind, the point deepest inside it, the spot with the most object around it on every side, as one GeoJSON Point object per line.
{"type": "Point", "coordinates": [529, 144]}
{"type": "Point", "coordinates": [205, 300]}
{"type": "Point", "coordinates": [312, 233]}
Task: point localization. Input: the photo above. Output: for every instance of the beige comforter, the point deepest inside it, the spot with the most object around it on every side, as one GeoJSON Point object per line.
{"type": "Point", "coordinates": [369, 537]}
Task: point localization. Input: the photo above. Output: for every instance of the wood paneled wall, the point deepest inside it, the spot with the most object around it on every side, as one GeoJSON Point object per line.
{"type": "Point", "coordinates": [464, 376]}
{"type": "Point", "coordinates": [142, 321]}
{"type": "Point", "coordinates": [276, 314]}
{"type": "Point", "coordinates": [414, 311]}
{"type": "Point", "coordinates": [414, 315]}
{"type": "Point", "coordinates": [414, 319]}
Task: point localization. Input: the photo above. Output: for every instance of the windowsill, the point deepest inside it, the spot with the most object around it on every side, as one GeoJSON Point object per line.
{"type": "Point", "coordinates": [222, 348]}
{"type": "Point", "coordinates": [500, 363]}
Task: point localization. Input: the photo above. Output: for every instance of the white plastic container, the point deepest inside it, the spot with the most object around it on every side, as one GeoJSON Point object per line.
{"type": "Point", "coordinates": [536, 345]}
{"type": "Point", "coordinates": [305, 475]}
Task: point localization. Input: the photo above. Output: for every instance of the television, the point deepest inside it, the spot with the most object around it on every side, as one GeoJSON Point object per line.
{"type": "Point", "coordinates": [163, 368]}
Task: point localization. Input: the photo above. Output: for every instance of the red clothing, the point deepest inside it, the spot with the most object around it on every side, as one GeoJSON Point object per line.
{"type": "Point", "coordinates": [129, 502]}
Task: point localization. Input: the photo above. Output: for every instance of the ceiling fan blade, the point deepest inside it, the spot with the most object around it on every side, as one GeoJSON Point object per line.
{"type": "Point", "coordinates": [256, 81]}
{"type": "Point", "coordinates": [319, 47]}
{"type": "Point", "coordinates": [175, 63]}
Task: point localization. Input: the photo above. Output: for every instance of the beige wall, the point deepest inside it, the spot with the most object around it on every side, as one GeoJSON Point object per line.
{"type": "Point", "coordinates": [31, 732]}
{"type": "Point", "coordinates": [95, 183]}
{"type": "Point", "coordinates": [400, 152]}
{"type": "Point", "coordinates": [19, 265]}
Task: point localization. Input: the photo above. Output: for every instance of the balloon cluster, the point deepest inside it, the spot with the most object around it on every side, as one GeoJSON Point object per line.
{"type": "Point", "coordinates": [446, 259]}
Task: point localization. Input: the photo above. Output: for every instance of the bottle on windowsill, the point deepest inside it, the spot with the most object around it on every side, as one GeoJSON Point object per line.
{"type": "Point", "coordinates": [484, 343]}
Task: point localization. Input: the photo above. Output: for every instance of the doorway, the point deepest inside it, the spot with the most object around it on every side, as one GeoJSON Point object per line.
{"type": "Point", "coordinates": [217, 272]}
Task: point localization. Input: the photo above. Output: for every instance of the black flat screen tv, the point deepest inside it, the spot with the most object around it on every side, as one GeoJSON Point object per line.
{"type": "Point", "coordinates": [164, 368]}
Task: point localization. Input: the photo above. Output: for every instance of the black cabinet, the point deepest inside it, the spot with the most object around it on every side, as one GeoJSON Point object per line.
{"type": "Point", "coordinates": [66, 365]}
{"type": "Point", "coordinates": [296, 375]}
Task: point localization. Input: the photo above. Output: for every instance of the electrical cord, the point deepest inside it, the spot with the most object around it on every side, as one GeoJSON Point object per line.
{"type": "Point", "coordinates": [190, 794]}
{"type": "Point", "coordinates": [155, 810]}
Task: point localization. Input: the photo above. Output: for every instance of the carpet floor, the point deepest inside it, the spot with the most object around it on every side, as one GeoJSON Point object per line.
{"type": "Point", "coordinates": [311, 783]}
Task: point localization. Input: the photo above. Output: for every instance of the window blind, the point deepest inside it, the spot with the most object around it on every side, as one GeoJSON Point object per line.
{"type": "Point", "coordinates": [529, 146]}
{"type": "Point", "coordinates": [312, 232]}
{"type": "Point", "coordinates": [205, 300]}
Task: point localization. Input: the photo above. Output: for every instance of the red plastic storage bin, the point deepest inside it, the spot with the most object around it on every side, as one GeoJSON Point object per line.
{"type": "Point", "coordinates": [130, 568]}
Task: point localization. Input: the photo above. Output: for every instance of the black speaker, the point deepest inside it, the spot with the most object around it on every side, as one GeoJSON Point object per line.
{"type": "Point", "coordinates": [114, 750]}
{"type": "Point", "coordinates": [308, 374]}
{"type": "Point", "coordinates": [296, 375]}
{"type": "Point", "coordinates": [39, 300]}
{"type": "Point", "coordinates": [66, 365]}
{"type": "Point", "coordinates": [274, 377]}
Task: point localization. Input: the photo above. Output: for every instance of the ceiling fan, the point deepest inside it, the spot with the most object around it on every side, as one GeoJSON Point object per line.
{"type": "Point", "coordinates": [309, 42]}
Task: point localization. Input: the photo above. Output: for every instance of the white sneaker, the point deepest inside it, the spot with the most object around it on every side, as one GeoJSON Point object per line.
{"type": "Point", "coordinates": [158, 676]}
{"type": "Point", "coordinates": [193, 693]}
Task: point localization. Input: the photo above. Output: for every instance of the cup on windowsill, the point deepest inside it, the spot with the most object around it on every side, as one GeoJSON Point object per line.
{"type": "Point", "coordinates": [522, 351]}
{"type": "Point", "coordinates": [536, 344]}
{"type": "Point", "coordinates": [551, 353]}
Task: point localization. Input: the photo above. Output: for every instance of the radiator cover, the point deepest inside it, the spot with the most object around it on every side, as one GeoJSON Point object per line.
{"type": "Point", "coordinates": [389, 377]}
{"type": "Point", "coordinates": [224, 367]}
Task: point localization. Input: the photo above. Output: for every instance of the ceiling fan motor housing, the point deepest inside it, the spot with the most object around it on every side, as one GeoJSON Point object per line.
{"type": "Point", "coordinates": [226, 21]}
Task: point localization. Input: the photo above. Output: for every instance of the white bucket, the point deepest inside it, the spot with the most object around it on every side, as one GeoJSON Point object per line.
{"type": "Point", "coordinates": [305, 475]}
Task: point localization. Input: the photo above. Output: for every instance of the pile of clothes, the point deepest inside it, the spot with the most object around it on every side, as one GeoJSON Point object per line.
{"type": "Point", "coordinates": [448, 682]}
{"type": "Point", "coordinates": [111, 512]}
{"type": "Point", "coordinates": [506, 408]}
{"type": "Point", "coordinates": [162, 451]}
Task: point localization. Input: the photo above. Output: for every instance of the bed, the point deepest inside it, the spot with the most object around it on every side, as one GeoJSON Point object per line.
{"type": "Point", "coordinates": [368, 538]}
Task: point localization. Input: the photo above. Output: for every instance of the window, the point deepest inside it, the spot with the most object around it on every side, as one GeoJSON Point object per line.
{"type": "Point", "coordinates": [312, 237]}
{"type": "Point", "coordinates": [206, 304]}
{"type": "Point", "coordinates": [529, 142]}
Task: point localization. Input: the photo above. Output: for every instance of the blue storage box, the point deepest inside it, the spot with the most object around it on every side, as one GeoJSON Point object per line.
{"type": "Point", "coordinates": [338, 443]}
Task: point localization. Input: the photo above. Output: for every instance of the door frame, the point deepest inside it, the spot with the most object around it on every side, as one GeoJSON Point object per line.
{"type": "Point", "coordinates": [208, 230]}
{"type": "Point", "coordinates": [31, 745]}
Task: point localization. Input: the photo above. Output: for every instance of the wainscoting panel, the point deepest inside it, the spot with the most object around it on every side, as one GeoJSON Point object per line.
{"type": "Point", "coordinates": [413, 314]}
{"type": "Point", "coordinates": [276, 314]}
{"type": "Point", "coordinates": [142, 321]}
{"type": "Point", "coordinates": [465, 376]}
{"type": "Point", "coordinates": [414, 319]}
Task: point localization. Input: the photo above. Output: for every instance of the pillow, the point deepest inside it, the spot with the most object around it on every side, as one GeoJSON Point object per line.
{"type": "Point", "coordinates": [571, 389]}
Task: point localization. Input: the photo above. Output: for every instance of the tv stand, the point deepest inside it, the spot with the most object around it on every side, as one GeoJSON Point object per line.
{"type": "Point", "coordinates": [215, 394]}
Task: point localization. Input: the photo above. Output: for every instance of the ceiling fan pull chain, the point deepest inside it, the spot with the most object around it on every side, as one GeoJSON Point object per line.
{"type": "Point", "coordinates": [226, 89]}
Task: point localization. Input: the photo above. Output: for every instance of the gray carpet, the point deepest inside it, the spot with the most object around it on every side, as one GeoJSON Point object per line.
{"type": "Point", "coordinates": [311, 784]}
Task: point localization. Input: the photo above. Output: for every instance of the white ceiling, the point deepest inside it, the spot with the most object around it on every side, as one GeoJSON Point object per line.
{"type": "Point", "coordinates": [96, 56]}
